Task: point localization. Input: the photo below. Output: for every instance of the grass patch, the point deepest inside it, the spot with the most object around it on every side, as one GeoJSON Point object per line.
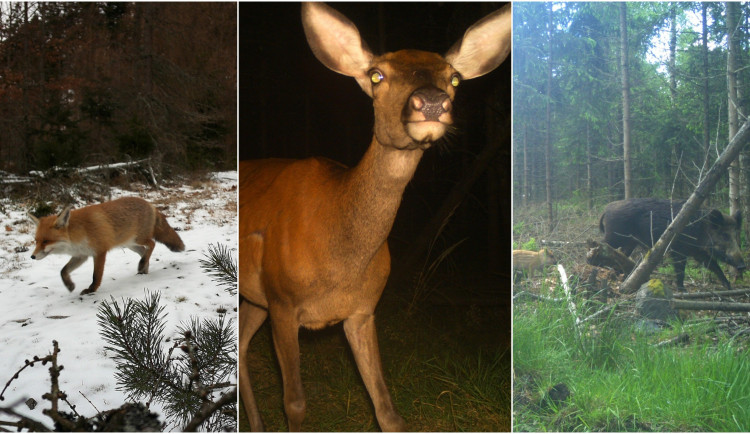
{"type": "Point", "coordinates": [619, 381]}
{"type": "Point", "coordinates": [447, 368]}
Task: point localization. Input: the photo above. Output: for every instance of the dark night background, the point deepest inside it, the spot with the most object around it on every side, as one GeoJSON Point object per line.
{"type": "Point", "coordinates": [292, 106]}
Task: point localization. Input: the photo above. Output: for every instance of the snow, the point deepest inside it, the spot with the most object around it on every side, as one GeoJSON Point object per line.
{"type": "Point", "coordinates": [36, 308]}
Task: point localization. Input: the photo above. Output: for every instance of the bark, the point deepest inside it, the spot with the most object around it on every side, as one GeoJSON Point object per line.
{"type": "Point", "coordinates": [730, 293]}
{"type": "Point", "coordinates": [732, 101]}
{"type": "Point", "coordinates": [603, 255]}
{"type": "Point", "coordinates": [710, 305]}
{"type": "Point", "coordinates": [706, 114]}
{"type": "Point", "coordinates": [525, 190]}
{"type": "Point", "coordinates": [548, 144]}
{"type": "Point", "coordinates": [626, 149]}
{"type": "Point", "coordinates": [589, 166]}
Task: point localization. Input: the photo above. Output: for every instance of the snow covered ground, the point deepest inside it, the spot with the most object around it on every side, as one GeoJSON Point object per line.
{"type": "Point", "coordinates": [36, 308]}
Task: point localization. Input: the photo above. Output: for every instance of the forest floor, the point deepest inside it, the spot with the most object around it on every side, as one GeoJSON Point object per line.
{"type": "Point", "coordinates": [36, 308]}
{"type": "Point", "coordinates": [447, 364]}
{"type": "Point", "coordinates": [619, 372]}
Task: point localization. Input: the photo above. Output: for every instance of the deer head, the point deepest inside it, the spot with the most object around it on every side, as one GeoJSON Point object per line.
{"type": "Point", "coordinates": [412, 90]}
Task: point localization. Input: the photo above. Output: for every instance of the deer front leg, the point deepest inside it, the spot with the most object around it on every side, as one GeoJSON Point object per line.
{"type": "Point", "coordinates": [251, 318]}
{"type": "Point", "coordinates": [74, 263]}
{"type": "Point", "coordinates": [286, 341]}
{"type": "Point", "coordinates": [360, 331]}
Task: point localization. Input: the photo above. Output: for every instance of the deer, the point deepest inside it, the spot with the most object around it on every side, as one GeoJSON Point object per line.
{"type": "Point", "coordinates": [313, 232]}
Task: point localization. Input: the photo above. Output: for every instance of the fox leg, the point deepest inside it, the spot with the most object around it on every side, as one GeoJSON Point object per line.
{"type": "Point", "coordinates": [144, 249]}
{"type": "Point", "coordinates": [74, 263]}
{"type": "Point", "coordinates": [99, 260]}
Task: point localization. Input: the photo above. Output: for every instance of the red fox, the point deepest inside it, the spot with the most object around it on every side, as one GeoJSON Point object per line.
{"type": "Point", "coordinates": [94, 230]}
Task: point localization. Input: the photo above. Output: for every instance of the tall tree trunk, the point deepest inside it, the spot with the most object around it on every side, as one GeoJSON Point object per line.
{"type": "Point", "coordinates": [706, 117]}
{"type": "Point", "coordinates": [525, 183]}
{"type": "Point", "coordinates": [589, 183]}
{"type": "Point", "coordinates": [672, 53]}
{"type": "Point", "coordinates": [673, 169]}
{"type": "Point", "coordinates": [548, 140]}
{"type": "Point", "coordinates": [732, 101]}
{"type": "Point", "coordinates": [627, 179]}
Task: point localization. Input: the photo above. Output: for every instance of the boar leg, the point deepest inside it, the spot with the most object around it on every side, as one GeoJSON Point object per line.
{"type": "Point", "coordinates": [678, 263]}
{"type": "Point", "coordinates": [714, 266]}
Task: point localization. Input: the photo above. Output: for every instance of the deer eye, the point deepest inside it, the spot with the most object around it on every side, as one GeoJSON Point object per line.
{"type": "Point", "coordinates": [455, 80]}
{"type": "Point", "coordinates": [376, 76]}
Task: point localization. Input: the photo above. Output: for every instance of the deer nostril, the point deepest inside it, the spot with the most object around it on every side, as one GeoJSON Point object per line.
{"type": "Point", "coordinates": [447, 105]}
{"type": "Point", "coordinates": [431, 102]}
{"type": "Point", "coordinates": [417, 102]}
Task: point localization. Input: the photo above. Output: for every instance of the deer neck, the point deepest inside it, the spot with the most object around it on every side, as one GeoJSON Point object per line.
{"type": "Point", "coordinates": [373, 194]}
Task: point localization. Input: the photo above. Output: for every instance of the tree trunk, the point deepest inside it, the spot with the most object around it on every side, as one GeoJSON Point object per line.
{"type": "Point", "coordinates": [589, 163]}
{"type": "Point", "coordinates": [732, 102]}
{"type": "Point", "coordinates": [672, 165]}
{"type": "Point", "coordinates": [627, 179]}
{"type": "Point", "coordinates": [525, 182]}
{"type": "Point", "coordinates": [706, 114]}
{"type": "Point", "coordinates": [672, 53]}
{"type": "Point", "coordinates": [548, 144]}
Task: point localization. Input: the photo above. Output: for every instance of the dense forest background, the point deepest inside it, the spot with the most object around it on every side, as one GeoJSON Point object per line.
{"type": "Point", "coordinates": [615, 100]}
{"type": "Point", "coordinates": [92, 83]}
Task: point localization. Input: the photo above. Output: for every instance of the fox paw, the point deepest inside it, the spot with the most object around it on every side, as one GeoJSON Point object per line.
{"type": "Point", "coordinates": [69, 283]}
{"type": "Point", "coordinates": [88, 291]}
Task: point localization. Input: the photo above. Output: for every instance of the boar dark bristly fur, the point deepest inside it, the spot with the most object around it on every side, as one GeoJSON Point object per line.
{"type": "Point", "coordinates": [710, 234]}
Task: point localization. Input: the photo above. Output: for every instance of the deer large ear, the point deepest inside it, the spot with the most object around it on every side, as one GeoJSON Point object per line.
{"type": "Point", "coordinates": [484, 46]}
{"type": "Point", "coordinates": [335, 41]}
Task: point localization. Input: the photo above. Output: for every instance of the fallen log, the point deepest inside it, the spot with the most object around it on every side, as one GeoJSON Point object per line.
{"type": "Point", "coordinates": [137, 163]}
{"type": "Point", "coordinates": [710, 305]}
{"type": "Point", "coordinates": [684, 295]}
{"type": "Point", "coordinates": [603, 255]}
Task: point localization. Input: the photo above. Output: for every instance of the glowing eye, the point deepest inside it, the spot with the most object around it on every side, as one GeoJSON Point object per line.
{"type": "Point", "coordinates": [455, 80]}
{"type": "Point", "coordinates": [376, 77]}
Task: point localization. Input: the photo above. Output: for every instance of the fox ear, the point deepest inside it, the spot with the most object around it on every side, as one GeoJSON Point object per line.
{"type": "Point", "coordinates": [63, 217]}
{"type": "Point", "coordinates": [32, 218]}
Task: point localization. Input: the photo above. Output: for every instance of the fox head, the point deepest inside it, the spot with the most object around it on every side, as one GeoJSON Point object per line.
{"type": "Point", "coordinates": [51, 234]}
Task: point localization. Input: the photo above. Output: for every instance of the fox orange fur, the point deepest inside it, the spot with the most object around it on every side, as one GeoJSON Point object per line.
{"type": "Point", "coordinates": [94, 230]}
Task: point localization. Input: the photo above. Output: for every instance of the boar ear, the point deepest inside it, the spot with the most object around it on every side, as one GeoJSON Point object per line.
{"type": "Point", "coordinates": [63, 217]}
{"type": "Point", "coordinates": [32, 218]}
{"type": "Point", "coordinates": [716, 218]}
{"type": "Point", "coordinates": [737, 216]}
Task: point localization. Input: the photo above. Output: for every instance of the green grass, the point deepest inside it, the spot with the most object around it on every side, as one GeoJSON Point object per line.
{"type": "Point", "coordinates": [447, 368]}
{"type": "Point", "coordinates": [619, 381]}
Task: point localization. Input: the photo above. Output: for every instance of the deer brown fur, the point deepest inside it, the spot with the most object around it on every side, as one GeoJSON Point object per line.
{"type": "Point", "coordinates": [313, 233]}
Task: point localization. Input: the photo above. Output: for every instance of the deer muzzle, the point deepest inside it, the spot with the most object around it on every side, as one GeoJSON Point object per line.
{"type": "Point", "coordinates": [427, 114]}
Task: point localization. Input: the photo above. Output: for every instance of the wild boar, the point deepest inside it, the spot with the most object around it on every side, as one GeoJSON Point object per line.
{"type": "Point", "coordinates": [529, 261]}
{"type": "Point", "coordinates": [708, 236]}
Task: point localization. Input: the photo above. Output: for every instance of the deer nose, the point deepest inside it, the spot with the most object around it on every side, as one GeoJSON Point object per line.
{"type": "Point", "coordinates": [431, 102]}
